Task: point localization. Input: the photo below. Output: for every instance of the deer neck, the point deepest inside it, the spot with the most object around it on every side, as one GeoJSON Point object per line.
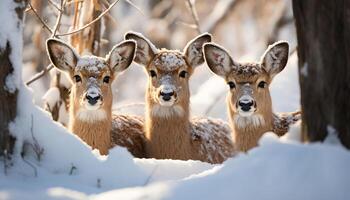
{"type": "Point", "coordinates": [95, 130]}
{"type": "Point", "coordinates": [248, 130]}
{"type": "Point", "coordinates": [168, 132]}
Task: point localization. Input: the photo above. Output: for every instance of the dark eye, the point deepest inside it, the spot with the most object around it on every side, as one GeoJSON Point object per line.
{"type": "Point", "coordinates": [183, 74]}
{"type": "Point", "coordinates": [262, 84]}
{"type": "Point", "coordinates": [106, 79]}
{"type": "Point", "coordinates": [77, 78]}
{"type": "Point", "coordinates": [231, 84]}
{"type": "Point", "coordinates": [153, 73]}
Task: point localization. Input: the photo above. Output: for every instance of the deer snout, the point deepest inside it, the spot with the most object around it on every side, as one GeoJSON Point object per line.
{"type": "Point", "coordinates": [92, 99]}
{"type": "Point", "coordinates": [166, 96]}
{"type": "Point", "coordinates": [246, 104]}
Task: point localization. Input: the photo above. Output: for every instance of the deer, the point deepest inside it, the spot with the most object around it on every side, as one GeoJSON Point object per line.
{"type": "Point", "coordinates": [170, 132]}
{"type": "Point", "coordinates": [249, 101]}
{"type": "Point", "coordinates": [91, 98]}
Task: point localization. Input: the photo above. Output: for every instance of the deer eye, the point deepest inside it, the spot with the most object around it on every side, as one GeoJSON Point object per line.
{"type": "Point", "coordinates": [183, 74]}
{"type": "Point", "coordinates": [262, 84]}
{"type": "Point", "coordinates": [77, 78]}
{"type": "Point", "coordinates": [231, 84]}
{"type": "Point", "coordinates": [153, 73]}
{"type": "Point", "coordinates": [106, 79]}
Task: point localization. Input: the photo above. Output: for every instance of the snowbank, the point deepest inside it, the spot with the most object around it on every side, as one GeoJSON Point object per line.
{"type": "Point", "coordinates": [276, 170]}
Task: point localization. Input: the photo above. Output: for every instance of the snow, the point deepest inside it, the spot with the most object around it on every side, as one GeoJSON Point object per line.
{"type": "Point", "coordinates": [304, 69]}
{"type": "Point", "coordinates": [169, 61]}
{"type": "Point", "coordinates": [52, 96]}
{"type": "Point", "coordinates": [92, 64]}
{"type": "Point", "coordinates": [10, 34]}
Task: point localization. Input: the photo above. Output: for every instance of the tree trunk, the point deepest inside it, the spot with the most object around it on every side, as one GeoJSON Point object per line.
{"type": "Point", "coordinates": [323, 31]}
{"type": "Point", "coordinates": [8, 97]}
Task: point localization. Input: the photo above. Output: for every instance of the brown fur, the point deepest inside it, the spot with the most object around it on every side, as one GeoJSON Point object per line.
{"type": "Point", "coordinates": [127, 131]}
{"type": "Point", "coordinates": [170, 133]}
{"type": "Point", "coordinates": [247, 79]}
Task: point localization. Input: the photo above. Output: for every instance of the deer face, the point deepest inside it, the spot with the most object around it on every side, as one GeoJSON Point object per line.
{"type": "Point", "coordinates": [169, 72]}
{"type": "Point", "coordinates": [92, 76]}
{"type": "Point", "coordinates": [249, 96]}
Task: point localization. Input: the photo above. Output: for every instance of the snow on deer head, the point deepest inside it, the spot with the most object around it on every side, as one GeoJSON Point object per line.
{"type": "Point", "coordinates": [249, 99]}
{"type": "Point", "coordinates": [91, 93]}
{"type": "Point", "coordinates": [169, 72]}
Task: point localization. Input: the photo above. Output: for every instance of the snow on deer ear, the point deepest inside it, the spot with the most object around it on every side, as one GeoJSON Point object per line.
{"type": "Point", "coordinates": [194, 49]}
{"type": "Point", "coordinates": [145, 50]}
{"type": "Point", "coordinates": [121, 55]}
{"type": "Point", "coordinates": [218, 59]}
{"type": "Point", "coordinates": [275, 58]}
{"type": "Point", "coordinates": [61, 54]}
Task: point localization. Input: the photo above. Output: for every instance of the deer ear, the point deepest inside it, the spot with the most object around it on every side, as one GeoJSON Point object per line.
{"type": "Point", "coordinates": [218, 60]}
{"type": "Point", "coordinates": [145, 50]}
{"type": "Point", "coordinates": [121, 55]}
{"type": "Point", "coordinates": [61, 54]}
{"type": "Point", "coordinates": [275, 58]}
{"type": "Point", "coordinates": [194, 49]}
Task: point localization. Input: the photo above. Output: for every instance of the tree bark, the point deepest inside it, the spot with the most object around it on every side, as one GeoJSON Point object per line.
{"type": "Point", "coordinates": [323, 31]}
{"type": "Point", "coordinates": [8, 98]}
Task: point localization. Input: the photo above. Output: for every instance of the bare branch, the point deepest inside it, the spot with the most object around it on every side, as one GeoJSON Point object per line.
{"type": "Point", "coordinates": [39, 18]}
{"type": "Point", "coordinates": [194, 14]}
{"type": "Point", "coordinates": [135, 6]}
{"type": "Point", "coordinates": [58, 21]}
{"type": "Point", "coordinates": [193, 26]}
{"type": "Point", "coordinates": [54, 5]}
{"type": "Point", "coordinates": [39, 75]}
{"type": "Point", "coordinates": [92, 22]}
{"type": "Point", "coordinates": [219, 13]}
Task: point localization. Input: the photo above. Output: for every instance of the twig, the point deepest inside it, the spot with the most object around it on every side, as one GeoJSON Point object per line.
{"type": "Point", "coordinates": [54, 5]}
{"type": "Point", "coordinates": [58, 21]}
{"type": "Point", "coordinates": [194, 14]}
{"type": "Point", "coordinates": [39, 18]}
{"type": "Point", "coordinates": [36, 147]}
{"type": "Point", "coordinates": [187, 24]}
{"type": "Point", "coordinates": [90, 23]}
{"type": "Point", "coordinates": [72, 169]}
{"type": "Point", "coordinates": [31, 165]}
{"type": "Point", "coordinates": [133, 5]}
{"type": "Point", "coordinates": [39, 75]}
{"type": "Point", "coordinates": [151, 175]}
{"type": "Point", "coordinates": [219, 13]}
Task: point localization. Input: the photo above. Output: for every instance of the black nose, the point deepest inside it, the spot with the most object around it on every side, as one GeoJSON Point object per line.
{"type": "Point", "coordinates": [166, 96]}
{"type": "Point", "coordinates": [93, 100]}
{"type": "Point", "coordinates": [245, 106]}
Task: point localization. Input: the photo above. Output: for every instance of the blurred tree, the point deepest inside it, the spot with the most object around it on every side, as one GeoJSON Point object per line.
{"type": "Point", "coordinates": [323, 31]}
{"type": "Point", "coordinates": [8, 97]}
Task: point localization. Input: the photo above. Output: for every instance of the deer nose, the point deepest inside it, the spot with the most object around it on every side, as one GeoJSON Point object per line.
{"type": "Point", "coordinates": [245, 104]}
{"type": "Point", "coordinates": [93, 99]}
{"type": "Point", "coordinates": [166, 96]}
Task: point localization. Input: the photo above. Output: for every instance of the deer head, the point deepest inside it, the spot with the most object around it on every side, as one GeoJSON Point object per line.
{"type": "Point", "coordinates": [249, 99]}
{"type": "Point", "coordinates": [91, 76]}
{"type": "Point", "coordinates": [169, 72]}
